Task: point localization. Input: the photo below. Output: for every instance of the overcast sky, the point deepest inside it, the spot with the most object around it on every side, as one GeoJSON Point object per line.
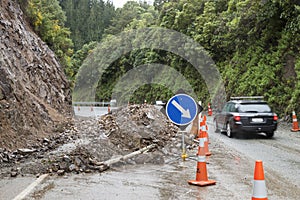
{"type": "Point", "coordinates": [120, 3]}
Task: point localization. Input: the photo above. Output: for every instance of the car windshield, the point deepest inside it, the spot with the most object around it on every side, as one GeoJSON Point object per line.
{"type": "Point", "coordinates": [255, 108]}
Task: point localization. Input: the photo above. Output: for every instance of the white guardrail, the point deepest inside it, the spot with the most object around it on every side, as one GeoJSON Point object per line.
{"type": "Point", "coordinates": [93, 109]}
{"type": "Point", "coordinates": [103, 103]}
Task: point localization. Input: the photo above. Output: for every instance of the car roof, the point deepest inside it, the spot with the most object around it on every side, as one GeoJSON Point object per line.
{"type": "Point", "coordinates": [248, 100]}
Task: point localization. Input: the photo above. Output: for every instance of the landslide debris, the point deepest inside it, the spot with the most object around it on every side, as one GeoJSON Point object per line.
{"type": "Point", "coordinates": [88, 142]}
{"type": "Point", "coordinates": [136, 126]}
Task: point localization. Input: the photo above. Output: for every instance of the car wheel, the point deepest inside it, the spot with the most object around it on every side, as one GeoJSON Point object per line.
{"type": "Point", "coordinates": [216, 126]}
{"type": "Point", "coordinates": [229, 131]}
{"type": "Point", "coordinates": [270, 134]}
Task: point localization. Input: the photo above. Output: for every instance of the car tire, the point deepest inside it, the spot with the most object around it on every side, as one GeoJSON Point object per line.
{"type": "Point", "coordinates": [270, 134]}
{"type": "Point", "coordinates": [228, 130]}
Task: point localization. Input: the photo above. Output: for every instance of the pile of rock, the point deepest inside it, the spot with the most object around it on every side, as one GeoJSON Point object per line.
{"type": "Point", "coordinates": [79, 160]}
{"type": "Point", "coordinates": [86, 145]}
{"type": "Point", "coordinates": [34, 158]}
{"type": "Point", "coordinates": [136, 126]}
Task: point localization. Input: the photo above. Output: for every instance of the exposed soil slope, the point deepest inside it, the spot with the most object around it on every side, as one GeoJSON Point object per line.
{"type": "Point", "coordinates": [34, 92]}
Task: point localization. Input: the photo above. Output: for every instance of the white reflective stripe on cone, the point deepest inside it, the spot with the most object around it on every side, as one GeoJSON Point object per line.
{"type": "Point", "coordinates": [259, 189]}
{"type": "Point", "coordinates": [294, 120]}
{"type": "Point", "coordinates": [201, 158]}
{"type": "Point", "coordinates": [201, 142]}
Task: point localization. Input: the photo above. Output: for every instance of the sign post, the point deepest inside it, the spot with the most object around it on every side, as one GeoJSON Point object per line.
{"type": "Point", "coordinates": [182, 109]}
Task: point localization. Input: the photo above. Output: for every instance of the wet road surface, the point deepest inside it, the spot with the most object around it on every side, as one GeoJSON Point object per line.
{"type": "Point", "coordinates": [231, 165]}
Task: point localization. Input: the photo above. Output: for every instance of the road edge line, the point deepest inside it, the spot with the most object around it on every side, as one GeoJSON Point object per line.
{"type": "Point", "coordinates": [29, 189]}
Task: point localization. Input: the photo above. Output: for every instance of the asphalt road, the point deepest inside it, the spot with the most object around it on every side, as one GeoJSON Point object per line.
{"type": "Point", "coordinates": [90, 111]}
{"type": "Point", "coordinates": [280, 156]}
{"type": "Point", "coordinates": [231, 165]}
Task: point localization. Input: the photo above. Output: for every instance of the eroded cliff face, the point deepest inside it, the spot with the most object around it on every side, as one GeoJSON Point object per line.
{"type": "Point", "coordinates": [35, 95]}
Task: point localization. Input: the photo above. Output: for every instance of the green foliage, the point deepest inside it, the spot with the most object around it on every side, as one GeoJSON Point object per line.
{"type": "Point", "coordinates": [254, 43]}
{"type": "Point", "coordinates": [78, 58]}
{"type": "Point", "coordinates": [265, 61]}
{"type": "Point", "coordinates": [87, 19]}
{"type": "Point", "coordinates": [47, 19]}
{"type": "Point", "coordinates": [132, 16]}
{"type": "Point", "coordinates": [154, 92]}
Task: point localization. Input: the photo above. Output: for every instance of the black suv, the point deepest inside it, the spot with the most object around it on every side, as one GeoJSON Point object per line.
{"type": "Point", "coordinates": [246, 115]}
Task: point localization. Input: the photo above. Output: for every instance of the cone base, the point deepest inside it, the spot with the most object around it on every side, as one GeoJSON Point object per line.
{"type": "Point", "coordinates": [295, 130]}
{"type": "Point", "coordinates": [202, 183]}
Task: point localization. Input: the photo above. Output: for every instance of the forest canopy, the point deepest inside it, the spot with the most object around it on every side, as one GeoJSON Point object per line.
{"type": "Point", "coordinates": [254, 43]}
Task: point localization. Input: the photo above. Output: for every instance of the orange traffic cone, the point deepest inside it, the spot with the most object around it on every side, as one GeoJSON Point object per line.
{"type": "Point", "coordinates": [295, 123]}
{"type": "Point", "coordinates": [203, 130]}
{"type": "Point", "coordinates": [205, 136]}
{"type": "Point", "coordinates": [201, 173]}
{"type": "Point", "coordinates": [202, 123]}
{"type": "Point", "coordinates": [209, 110]}
{"type": "Point", "coordinates": [259, 185]}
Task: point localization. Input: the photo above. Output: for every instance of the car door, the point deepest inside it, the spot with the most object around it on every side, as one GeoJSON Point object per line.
{"type": "Point", "coordinates": [223, 117]}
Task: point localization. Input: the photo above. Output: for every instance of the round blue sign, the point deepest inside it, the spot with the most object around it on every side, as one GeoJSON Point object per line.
{"type": "Point", "coordinates": [181, 109]}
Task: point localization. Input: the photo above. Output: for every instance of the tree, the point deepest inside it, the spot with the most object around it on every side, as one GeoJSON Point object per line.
{"type": "Point", "coordinates": [87, 19]}
{"type": "Point", "coordinates": [255, 44]}
{"type": "Point", "coordinates": [47, 19]}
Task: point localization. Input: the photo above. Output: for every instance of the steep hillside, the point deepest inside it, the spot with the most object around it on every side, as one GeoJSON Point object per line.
{"type": "Point", "coordinates": [34, 93]}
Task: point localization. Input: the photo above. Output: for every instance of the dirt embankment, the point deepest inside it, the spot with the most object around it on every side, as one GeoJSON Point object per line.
{"type": "Point", "coordinates": [34, 93]}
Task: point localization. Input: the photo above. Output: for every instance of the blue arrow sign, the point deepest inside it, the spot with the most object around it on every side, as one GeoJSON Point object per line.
{"type": "Point", "coordinates": [181, 109]}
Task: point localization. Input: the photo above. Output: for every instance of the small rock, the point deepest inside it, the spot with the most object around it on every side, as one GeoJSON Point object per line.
{"type": "Point", "coordinates": [40, 156]}
{"type": "Point", "coordinates": [77, 161]}
{"type": "Point", "coordinates": [72, 167]}
{"type": "Point", "coordinates": [60, 172]}
{"type": "Point", "coordinates": [55, 167]}
{"type": "Point", "coordinates": [14, 174]}
{"type": "Point", "coordinates": [45, 140]}
{"type": "Point", "coordinates": [27, 151]}
{"type": "Point", "coordinates": [5, 159]}
{"type": "Point", "coordinates": [103, 168]}
{"type": "Point", "coordinates": [150, 116]}
{"type": "Point", "coordinates": [63, 166]}
{"type": "Point", "coordinates": [66, 158]}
